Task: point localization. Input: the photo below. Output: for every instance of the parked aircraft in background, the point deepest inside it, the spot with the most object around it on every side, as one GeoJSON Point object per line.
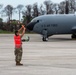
{"type": "Point", "coordinates": [48, 25]}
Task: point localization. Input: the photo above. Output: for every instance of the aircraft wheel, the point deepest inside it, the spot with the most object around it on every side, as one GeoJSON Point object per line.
{"type": "Point", "coordinates": [45, 39]}
{"type": "Point", "coordinates": [73, 36]}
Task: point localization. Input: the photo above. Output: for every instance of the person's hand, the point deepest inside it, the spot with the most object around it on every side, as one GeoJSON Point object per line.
{"type": "Point", "coordinates": [23, 26]}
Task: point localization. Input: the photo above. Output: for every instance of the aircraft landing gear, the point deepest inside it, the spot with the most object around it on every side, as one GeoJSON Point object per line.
{"type": "Point", "coordinates": [73, 36]}
{"type": "Point", "coordinates": [45, 39]}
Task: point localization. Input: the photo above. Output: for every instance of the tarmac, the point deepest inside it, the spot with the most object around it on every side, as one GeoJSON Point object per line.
{"type": "Point", "coordinates": [57, 56]}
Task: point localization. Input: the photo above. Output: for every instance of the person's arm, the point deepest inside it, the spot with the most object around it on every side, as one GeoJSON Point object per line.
{"type": "Point", "coordinates": [20, 29]}
{"type": "Point", "coordinates": [23, 32]}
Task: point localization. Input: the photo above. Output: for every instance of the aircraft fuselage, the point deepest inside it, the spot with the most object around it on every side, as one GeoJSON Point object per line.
{"type": "Point", "coordinates": [54, 24]}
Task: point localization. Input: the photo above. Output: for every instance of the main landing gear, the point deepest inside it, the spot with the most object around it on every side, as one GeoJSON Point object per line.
{"type": "Point", "coordinates": [73, 36]}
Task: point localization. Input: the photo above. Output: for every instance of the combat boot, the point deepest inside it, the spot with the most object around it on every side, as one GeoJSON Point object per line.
{"type": "Point", "coordinates": [18, 64]}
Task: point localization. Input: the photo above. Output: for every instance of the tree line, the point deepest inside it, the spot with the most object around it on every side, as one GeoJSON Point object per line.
{"type": "Point", "coordinates": [31, 11]}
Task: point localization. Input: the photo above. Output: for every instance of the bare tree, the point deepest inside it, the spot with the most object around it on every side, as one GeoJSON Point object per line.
{"type": "Point", "coordinates": [9, 11]}
{"type": "Point", "coordinates": [56, 8]}
{"type": "Point", "coordinates": [19, 7]}
{"type": "Point", "coordinates": [62, 7]}
{"type": "Point", "coordinates": [35, 10]}
{"type": "Point", "coordinates": [72, 5]}
{"type": "Point", "coordinates": [42, 10]}
{"type": "Point", "coordinates": [28, 13]}
{"type": "Point", "coordinates": [49, 7]}
{"type": "Point", "coordinates": [1, 20]}
{"type": "Point", "coordinates": [1, 5]}
{"type": "Point", "coordinates": [29, 7]}
{"type": "Point", "coordinates": [67, 7]}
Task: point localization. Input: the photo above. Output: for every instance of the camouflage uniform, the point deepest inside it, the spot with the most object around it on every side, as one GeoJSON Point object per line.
{"type": "Point", "coordinates": [18, 54]}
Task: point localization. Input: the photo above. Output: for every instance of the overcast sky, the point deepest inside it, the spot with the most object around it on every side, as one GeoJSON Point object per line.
{"type": "Point", "coordinates": [14, 3]}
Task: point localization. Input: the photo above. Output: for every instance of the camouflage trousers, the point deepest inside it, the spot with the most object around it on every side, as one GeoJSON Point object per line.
{"type": "Point", "coordinates": [18, 54]}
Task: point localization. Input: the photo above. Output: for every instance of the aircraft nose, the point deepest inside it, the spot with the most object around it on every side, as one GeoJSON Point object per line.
{"type": "Point", "coordinates": [31, 25]}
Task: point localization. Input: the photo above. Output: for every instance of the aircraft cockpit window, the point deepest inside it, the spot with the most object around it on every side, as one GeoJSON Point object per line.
{"type": "Point", "coordinates": [35, 20]}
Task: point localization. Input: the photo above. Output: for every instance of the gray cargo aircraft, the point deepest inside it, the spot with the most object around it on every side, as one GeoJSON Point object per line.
{"type": "Point", "coordinates": [48, 25]}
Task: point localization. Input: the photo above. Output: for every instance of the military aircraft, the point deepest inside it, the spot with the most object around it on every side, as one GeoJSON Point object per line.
{"type": "Point", "coordinates": [48, 25]}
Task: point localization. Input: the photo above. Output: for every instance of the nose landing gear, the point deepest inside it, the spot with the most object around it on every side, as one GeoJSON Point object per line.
{"type": "Point", "coordinates": [45, 38]}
